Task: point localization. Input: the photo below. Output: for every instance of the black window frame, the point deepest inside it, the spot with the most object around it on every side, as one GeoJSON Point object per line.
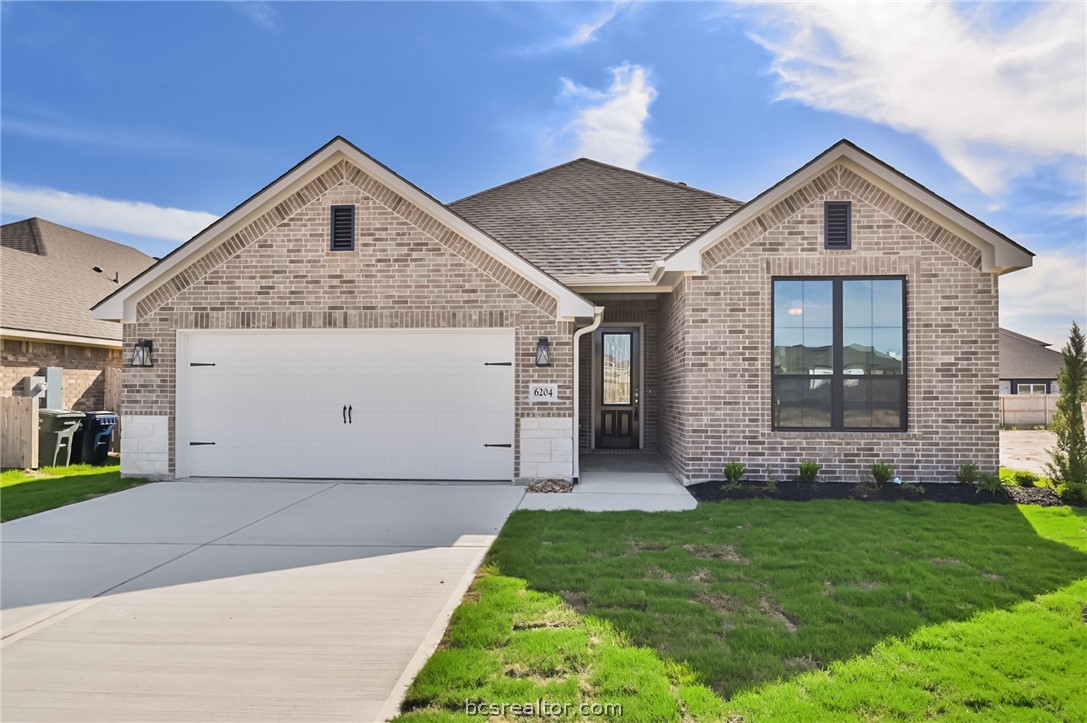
{"type": "Point", "coordinates": [1016, 382]}
{"type": "Point", "coordinates": [848, 245]}
{"type": "Point", "coordinates": [837, 377]}
{"type": "Point", "coordinates": [332, 228]}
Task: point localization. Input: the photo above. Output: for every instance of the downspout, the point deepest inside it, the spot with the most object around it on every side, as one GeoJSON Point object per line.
{"type": "Point", "coordinates": [598, 316]}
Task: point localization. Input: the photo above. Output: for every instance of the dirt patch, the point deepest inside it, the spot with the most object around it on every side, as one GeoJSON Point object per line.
{"type": "Point", "coordinates": [718, 601]}
{"type": "Point", "coordinates": [947, 562]}
{"type": "Point", "coordinates": [992, 576]}
{"type": "Point", "coordinates": [769, 607]}
{"type": "Point", "coordinates": [701, 575]}
{"type": "Point", "coordinates": [804, 664]}
{"type": "Point", "coordinates": [576, 599]}
{"type": "Point", "coordinates": [716, 552]}
{"type": "Point", "coordinates": [659, 573]}
{"type": "Point", "coordinates": [640, 545]}
{"type": "Point", "coordinates": [550, 485]}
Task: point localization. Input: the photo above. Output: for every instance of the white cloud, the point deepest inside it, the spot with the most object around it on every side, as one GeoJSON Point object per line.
{"type": "Point", "coordinates": [80, 210]}
{"type": "Point", "coordinates": [586, 32]}
{"type": "Point", "coordinates": [610, 126]}
{"type": "Point", "coordinates": [260, 13]}
{"type": "Point", "coordinates": [1042, 301]}
{"type": "Point", "coordinates": [994, 100]}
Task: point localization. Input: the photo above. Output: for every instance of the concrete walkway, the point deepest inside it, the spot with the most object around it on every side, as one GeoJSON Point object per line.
{"type": "Point", "coordinates": [615, 483]}
{"type": "Point", "coordinates": [232, 600]}
{"type": "Point", "coordinates": [1026, 450]}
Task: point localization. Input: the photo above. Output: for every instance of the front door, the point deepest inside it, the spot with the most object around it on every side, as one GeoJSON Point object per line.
{"type": "Point", "coordinates": [617, 368]}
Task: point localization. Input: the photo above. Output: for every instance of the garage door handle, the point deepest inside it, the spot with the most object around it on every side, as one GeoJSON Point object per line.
{"type": "Point", "coordinates": [201, 444]}
{"type": "Point", "coordinates": [498, 445]}
{"type": "Point", "coordinates": [345, 414]}
{"type": "Point", "coordinates": [497, 364]}
{"type": "Point", "coordinates": [349, 420]}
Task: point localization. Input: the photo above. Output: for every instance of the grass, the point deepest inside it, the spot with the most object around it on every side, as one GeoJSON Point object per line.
{"type": "Point", "coordinates": [772, 610]}
{"type": "Point", "coordinates": [1007, 476]}
{"type": "Point", "coordinates": [28, 493]}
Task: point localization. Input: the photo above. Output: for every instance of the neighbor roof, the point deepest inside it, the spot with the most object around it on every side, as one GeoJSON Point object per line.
{"type": "Point", "coordinates": [586, 217]}
{"type": "Point", "coordinates": [49, 279]}
{"type": "Point", "coordinates": [1022, 357]}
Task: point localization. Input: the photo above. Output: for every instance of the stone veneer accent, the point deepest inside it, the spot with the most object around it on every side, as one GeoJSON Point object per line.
{"type": "Point", "coordinates": [547, 448]}
{"type": "Point", "coordinates": [145, 447]}
{"type": "Point", "coordinates": [716, 331]}
{"type": "Point", "coordinates": [408, 270]}
{"type": "Point", "coordinates": [84, 370]}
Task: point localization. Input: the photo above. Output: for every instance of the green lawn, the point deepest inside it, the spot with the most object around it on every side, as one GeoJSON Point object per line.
{"type": "Point", "coordinates": [27, 493]}
{"type": "Point", "coordinates": [770, 610]}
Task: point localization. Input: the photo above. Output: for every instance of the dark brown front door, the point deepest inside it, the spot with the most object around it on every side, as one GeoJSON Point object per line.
{"type": "Point", "coordinates": [618, 385]}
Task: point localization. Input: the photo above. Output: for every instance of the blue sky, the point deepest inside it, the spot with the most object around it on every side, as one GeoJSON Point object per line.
{"type": "Point", "coordinates": [141, 122]}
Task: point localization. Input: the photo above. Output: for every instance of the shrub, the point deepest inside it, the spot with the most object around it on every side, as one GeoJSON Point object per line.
{"type": "Point", "coordinates": [734, 471]}
{"type": "Point", "coordinates": [912, 491]}
{"type": "Point", "coordinates": [990, 482]}
{"type": "Point", "coordinates": [967, 474]}
{"type": "Point", "coordinates": [864, 488]}
{"type": "Point", "coordinates": [1025, 479]}
{"type": "Point", "coordinates": [1073, 494]}
{"type": "Point", "coordinates": [882, 472]}
{"type": "Point", "coordinates": [809, 471]}
{"type": "Point", "coordinates": [771, 483]}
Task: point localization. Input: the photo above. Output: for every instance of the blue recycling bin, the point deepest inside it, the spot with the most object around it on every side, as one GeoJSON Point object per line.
{"type": "Point", "coordinates": [92, 441]}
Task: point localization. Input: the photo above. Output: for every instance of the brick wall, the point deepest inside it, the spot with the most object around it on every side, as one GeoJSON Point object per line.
{"type": "Point", "coordinates": [84, 378]}
{"type": "Point", "coordinates": [407, 271]}
{"type": "Point", "coordinates": [719, 325]}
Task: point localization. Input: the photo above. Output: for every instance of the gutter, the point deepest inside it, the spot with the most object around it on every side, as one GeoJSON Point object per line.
{"type": "Point", "coordinates": [598, 317]}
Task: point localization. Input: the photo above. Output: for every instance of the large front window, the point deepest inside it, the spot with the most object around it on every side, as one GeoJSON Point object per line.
{"type": "Point", "coordinates": [839, 354]}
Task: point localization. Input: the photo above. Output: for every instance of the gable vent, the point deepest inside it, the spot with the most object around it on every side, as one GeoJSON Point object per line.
{"type": "Point", "coordinates": [343, 228]}
{"type": "Point", "coordinates": [838, 231]}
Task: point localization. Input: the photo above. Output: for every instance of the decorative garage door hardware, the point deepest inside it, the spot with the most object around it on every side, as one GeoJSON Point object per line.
{"type": "Point", "coordinates": [201, 444]}
{"type": "Point", "coordinates": [347, 414]}
{"type": "Point", "coordinates": [498, 445]}
{"type": "Point", "coordinates": [497, 364]}
{"type": "Point", "coordinates": [201, 364]}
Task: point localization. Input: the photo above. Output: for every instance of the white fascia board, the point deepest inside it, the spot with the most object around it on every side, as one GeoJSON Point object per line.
{"type": "Point", "coordinates": [122, 306]}
{"type": "Point", "coordinates": [998, 255]}
{"type": "Point", "coordinates": [70, 339]}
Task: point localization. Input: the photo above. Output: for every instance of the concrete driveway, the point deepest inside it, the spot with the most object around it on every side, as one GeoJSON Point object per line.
{"type": "Point", "coordinates": [1026, 450]}
{"type": "Point", "coordinates": [236, 600]}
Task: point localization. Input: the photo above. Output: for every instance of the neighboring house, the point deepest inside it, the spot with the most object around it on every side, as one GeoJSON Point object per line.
{"type": "Point", "coordinates": [342, 323]}
{"type": "Point", "coordinates": [1028, 366]}
{"type": "Point", "coordinates": [51, 276]}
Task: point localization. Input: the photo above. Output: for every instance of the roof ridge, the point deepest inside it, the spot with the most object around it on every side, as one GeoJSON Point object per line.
{"type": "Point", "coordinates": [516, 180]}
{"type": "Point", "coordinates": [1024, 337]}
{"type": "Point", "coordinates": [658, 179]}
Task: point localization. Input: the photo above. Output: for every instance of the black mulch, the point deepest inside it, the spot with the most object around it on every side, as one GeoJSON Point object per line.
{"type": "Point", "coordinates": [935, 491]}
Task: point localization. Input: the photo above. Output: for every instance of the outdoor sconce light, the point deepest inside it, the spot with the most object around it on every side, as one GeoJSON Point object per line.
{"type": "Point", "coordinates": [141, 354]}
{"type": "Point", "coordinates": [543, 352]}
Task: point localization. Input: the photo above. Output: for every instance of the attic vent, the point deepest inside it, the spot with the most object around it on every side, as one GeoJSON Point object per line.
{"type": "Point", "coordinates": [838, 229]}
{"type": "Point", "coordinates": [343, 228]}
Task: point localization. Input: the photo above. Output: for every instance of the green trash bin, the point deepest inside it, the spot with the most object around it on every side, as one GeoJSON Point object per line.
{"type": "Point", "coordinates": [56, 431]}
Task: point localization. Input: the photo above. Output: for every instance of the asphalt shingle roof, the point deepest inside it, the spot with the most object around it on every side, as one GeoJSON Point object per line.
{"type": "Point", "coordinates": [1024, 358]}
{"type": "Point", "coordinates": [49, 281]}
{"type": "Point", "coordinates": [586, 217]}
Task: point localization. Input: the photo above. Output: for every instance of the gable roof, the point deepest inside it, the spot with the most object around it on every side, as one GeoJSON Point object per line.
{"type": "Point", "coordinates": [585, 217]}
{"type": "Point", "coordinates": [999, 254]}
{"type": "Point", "coordinates": [50, 283]}
{"type": "Point", "coordinates": [121, 305]}
{"type": "Point", "coordinates": [1022, 357]}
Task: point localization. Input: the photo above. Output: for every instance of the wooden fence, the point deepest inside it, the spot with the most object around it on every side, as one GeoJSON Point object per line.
{"type": "Point", "coordinates": [112, 402]}
{"type": "Point", "coordinates": [19, 432]}
{"type": "Point", "coordinates": [1029, 410]}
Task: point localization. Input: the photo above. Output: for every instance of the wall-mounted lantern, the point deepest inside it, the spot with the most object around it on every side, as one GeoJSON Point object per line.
{"type": "Point", "coordinates": [543, 352]}
{"type": "Point", "coordinates": [141, 354]}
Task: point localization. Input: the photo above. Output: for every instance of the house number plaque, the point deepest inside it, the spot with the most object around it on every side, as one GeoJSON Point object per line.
{"type": "Point", "coordinates": [543, 393]}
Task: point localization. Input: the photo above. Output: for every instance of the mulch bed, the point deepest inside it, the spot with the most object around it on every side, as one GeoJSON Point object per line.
{"type": "Point", "coordinates": [934, 491]}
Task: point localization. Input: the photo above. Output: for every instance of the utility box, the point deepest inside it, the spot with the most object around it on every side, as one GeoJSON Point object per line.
{"type": "Point", "coordinates": [54, 388]}
{"type": "Point", "coordinates": [34, 387]}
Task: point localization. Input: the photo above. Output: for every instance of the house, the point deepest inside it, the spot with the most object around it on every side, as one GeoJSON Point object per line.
{"type": "Point", "coordinates": [1028, 366]}
{"type": "Point", "coordinates": [342, 323]}
{"type": "Point", "coordinates": [52, 275]}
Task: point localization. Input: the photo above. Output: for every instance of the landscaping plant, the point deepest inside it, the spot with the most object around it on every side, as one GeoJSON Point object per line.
{"type": "Point", "coordinates": [734, 472]}
{"type": "Point", "coordinates": [809, 471]}
{"type": "Point", "coordinates": [990, 482]}
{"type": "Point", "coordinates": [967, 474]}
{"type": "Point", "coordinates": [1068, 457]}
{"type": "Point", "coordinates": [882, 472]}
{"type": "Point", "coordinates": [1026, 479]}
{"type": "Point", "coordinates": [771, 483]}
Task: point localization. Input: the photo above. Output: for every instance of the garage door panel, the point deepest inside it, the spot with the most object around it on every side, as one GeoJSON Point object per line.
{"type": "Point", "coordinates": [423, 404]}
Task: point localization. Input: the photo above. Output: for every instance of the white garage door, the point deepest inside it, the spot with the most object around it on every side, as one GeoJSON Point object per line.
{"type": "Point", "coordinates": [402, 404]}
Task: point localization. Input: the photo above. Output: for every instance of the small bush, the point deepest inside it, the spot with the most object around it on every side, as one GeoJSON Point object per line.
{"type": "Point", "coordinates": [990, 482]}
{"type": "Point", "coordinates": [809, 471]}
{"type": "Point", "coordinates": [734, 472]}
{"type": "Point", "coordinates": [912, 491]}
{"type": "Point", "coordinates": [967, 474]}
{"type": "Point", "coordinates": [864, 488]}
{"type": "Point", "coordinates": [1074, 494]}
{"type": "Point", "coordinates": [1026, 479]}
{"type": "Point", "coordinates": [771, 483]}
{"type": "Point", "coordinates": [882, 472]}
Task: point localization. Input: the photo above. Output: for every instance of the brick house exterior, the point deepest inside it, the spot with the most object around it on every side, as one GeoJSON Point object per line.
{"type": "Point", "coordinates": [538, 257]}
